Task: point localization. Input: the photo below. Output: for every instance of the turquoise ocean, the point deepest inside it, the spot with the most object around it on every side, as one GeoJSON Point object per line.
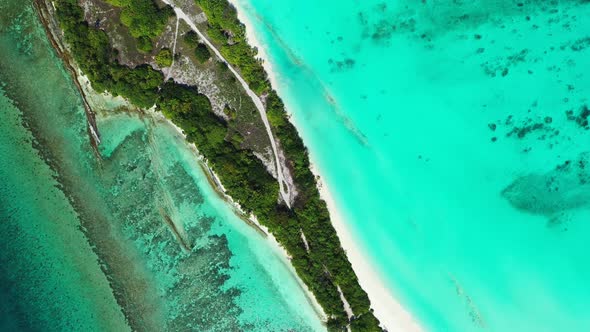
{"type": "Point", "coordinates": [86, 243]}
{"type": "Point", "coordinates": [454, 138]}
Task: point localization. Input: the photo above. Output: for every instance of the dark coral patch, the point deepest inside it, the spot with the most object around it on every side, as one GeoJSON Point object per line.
{"type": "Point", "coordinates": [582, 118]}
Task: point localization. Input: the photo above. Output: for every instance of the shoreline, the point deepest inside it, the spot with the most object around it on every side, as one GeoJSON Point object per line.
{"type": "Point", "coordinates": [391, 314]}
{"type": "Point", "coordinates": [45, 16]}
{"type": "Point", "coordinates": [250, 220]}
{"type": "Point", "coordinates": [92, 99]}
{"type": "Point", "coordinates": [254, 42]}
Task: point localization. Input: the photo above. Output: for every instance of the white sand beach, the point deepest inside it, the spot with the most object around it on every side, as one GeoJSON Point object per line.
{"type": "Point", "coordinates": [392, 315]}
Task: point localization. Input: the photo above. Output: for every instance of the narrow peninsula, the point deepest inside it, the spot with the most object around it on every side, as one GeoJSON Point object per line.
{"type": "Point", "coordinates": [190, 60]}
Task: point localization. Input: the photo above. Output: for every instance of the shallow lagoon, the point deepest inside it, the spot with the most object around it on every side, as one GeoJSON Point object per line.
{"type": "Point", "coordinates": [454, 138]}
{"type": "Point", "coordinates": [86, 239]}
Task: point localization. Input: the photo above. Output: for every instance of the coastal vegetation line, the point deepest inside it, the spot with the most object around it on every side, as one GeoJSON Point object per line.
{"type": "Point", "coordinates": [283, 189]}
{"type": "Point", "coordinates": [324, 267]}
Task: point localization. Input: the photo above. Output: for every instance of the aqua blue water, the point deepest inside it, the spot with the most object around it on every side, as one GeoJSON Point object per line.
{"type": "Point", "coordinates": [85, 238]}
{"type": "Point", "coordinates": [454, 137]}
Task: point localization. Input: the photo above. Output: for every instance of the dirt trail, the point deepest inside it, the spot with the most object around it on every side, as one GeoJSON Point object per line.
{"type": "Point", "coordinates": [284, 191]}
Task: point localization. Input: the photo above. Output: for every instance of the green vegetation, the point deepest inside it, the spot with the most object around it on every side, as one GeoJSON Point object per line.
{"type": "Point", "coordinates": [164, 58]}
{"type": "Point", "coordinates": [191, 39]}
{"type": "Point", "coordinates": [144, 19]}
{"type": "Point", "coordinates": [325, 266]}
{"type": "Point", "coordinates": [239, 169]}
{"type": "Point", "coordinates": [202, 53]}
{"type": "Point", "coordinates": [229, 34]}
{"type": "Point", "coordinates": [93, 53]}
{"type": "Point", "coordinates": [144, 44]}
{"type": "Point", "coordinates": [231, 114]}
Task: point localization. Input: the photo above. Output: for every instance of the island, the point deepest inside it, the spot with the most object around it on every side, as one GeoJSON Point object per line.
{"type": "Point", "coordinates": [191, 61]}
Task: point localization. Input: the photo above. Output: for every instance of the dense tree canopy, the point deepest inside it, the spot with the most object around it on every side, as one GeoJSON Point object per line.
{"type": "Point", "coordinates": [191, 39]}
{"type": "Point", "coordinates": [144, 19]}
{"type": "Point", "coordinates": [164, 58]}
{"type": "Point", "coordinates": [202, 53]}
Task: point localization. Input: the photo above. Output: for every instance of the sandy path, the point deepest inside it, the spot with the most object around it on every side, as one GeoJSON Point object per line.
{"type": "Point", "coordinates": [284, 191]}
